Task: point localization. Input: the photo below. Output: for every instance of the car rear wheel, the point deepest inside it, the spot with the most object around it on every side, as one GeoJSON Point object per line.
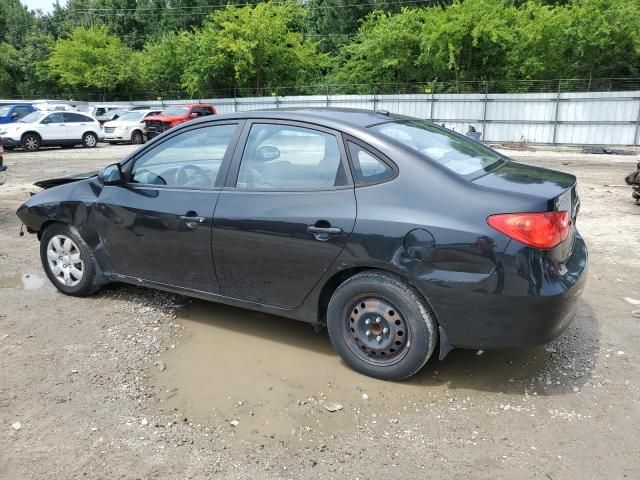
{"type": "Point", "coordinates": [68, 261]}
{"type": "Point", "coordinates": [89, 140]}
{"type": "Point", "coordinates": [31, 142]}
{"type": "Point", "coordinates": [380, 326]}
{"type": "Point", "coordinates": [136, 137]}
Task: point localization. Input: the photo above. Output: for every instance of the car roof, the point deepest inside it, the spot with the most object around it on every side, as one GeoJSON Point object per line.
{"type": "Point", "coordinates": [331, 117]}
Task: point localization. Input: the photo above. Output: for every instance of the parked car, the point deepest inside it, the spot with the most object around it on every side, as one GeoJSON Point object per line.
{"type": "Point", "coordinates": [112, 114]}
{"type": "Point", "coordinates": [127, 128]}
{"type": "Point", "coordinates": [51, 128]}
{"type": "Point", "coordinates": [146, 107]}
{"type": "Point", "coordinates": [451, 243]}
{"type": "Point", "coordinates": [175, 115]}
{"type": "Point", "coordinates": [13, 113]}
{"type": "Point", "coordinates": [100, 111]}
{"type": "Point", "coordinates": [3, 168]}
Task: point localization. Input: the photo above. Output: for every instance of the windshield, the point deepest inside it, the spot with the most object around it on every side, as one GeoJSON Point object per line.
{"type": "Point", "coordinates": [131, 117]}
{"type": "Point", "coordinates": [459, 154]}
{"type": "Point", "coordinates": [4, 111]}
{"type": "Point", "coordinates": [33, 117]}
{"type": "Point", "coordinates": [175, 111]}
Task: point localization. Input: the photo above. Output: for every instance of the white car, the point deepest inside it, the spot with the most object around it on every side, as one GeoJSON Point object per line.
{"type": "Point", "coordinates": [51, 128]}
{"type": "Point", "coordinates": [128, 127]}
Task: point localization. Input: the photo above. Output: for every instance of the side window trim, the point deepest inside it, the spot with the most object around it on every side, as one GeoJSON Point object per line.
{"type": "Point", "coordinates": [129, 163]}
{"type": "Point", "coordinates": [234, 170]}
{"type": "Point", "coordinates": [376, 154]}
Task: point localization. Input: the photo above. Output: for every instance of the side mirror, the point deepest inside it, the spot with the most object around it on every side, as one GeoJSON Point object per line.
{"type": "Point", "coordinates": [193, 115]}
{"type": "Point", "coordinates": [111, 175]}
{"type": "Point", "coordinates": [14, 114]}
{"type": "Point", "coordinates": [267, 153]}
{"type": "Point", "coordinates": [45, 121]}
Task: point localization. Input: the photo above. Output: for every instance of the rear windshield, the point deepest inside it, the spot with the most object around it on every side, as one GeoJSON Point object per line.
{"type": "Point", "coordinates": [456, 152]}
{"type": "Point", "coordinates": [176, 111]}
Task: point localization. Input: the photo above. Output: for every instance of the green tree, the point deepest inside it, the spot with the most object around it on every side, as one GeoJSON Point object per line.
{"type": "Point", "coordinates": [161, 64]}
{"type": "Point", "coordinates": [89, 61]}
{"type": "Point", "coordinates": [259, 47]}
{"type": "Point", "coordinates": [385, 50]}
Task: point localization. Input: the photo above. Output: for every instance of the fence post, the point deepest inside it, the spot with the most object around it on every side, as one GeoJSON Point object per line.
{"type": "Point", "coordinates": [327, 96]}
{"type": "Point", "coordinates": [636, 137]}
{"type": "Point", "coordinates": [277, 100]}
{"type": "Point", "coordinates": [555, 116]}
{"type": "Point", "coordinates": [431, 106]}
{"type": "Point", "coordinates": [484, 109]}
{"type": "Point", "coordinates": [235, 101]}
{"type": "Point", "coordinates": [375, 99]}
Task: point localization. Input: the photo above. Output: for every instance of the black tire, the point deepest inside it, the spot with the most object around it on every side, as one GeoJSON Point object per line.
{"type": "Point", "coordinates": [90, 281]}
{"type": "Point", "coordinates": [31, 142]}
{"type": "Point", "coordinates": [136, 137]}
{"type": "Point", "coordinates": [9, 147]}
{"type": "Point", "coordinates": [411, 331]}
{"type": "Point", "coordinates": [89, 140]}
{"type": "Point", "coordinates": [67, 146]}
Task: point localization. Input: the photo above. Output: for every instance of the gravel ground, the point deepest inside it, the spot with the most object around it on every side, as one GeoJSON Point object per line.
{"type": "Point", "coordinates": [133, 384]}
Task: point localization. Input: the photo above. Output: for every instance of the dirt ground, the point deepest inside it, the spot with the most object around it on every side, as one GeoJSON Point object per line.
{"type": "Point", "coordinates": [131, 383]}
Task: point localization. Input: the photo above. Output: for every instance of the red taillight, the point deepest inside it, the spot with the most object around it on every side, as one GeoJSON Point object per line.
{"type": "Point", "coordinates": [539, 230]}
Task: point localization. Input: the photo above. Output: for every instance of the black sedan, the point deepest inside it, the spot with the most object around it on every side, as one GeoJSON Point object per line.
{"type": "Point", "coordinates": [395, 233]}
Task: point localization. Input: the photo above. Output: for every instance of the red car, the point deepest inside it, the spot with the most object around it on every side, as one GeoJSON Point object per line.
{"type": "Point", "coordinates": [175, 115]}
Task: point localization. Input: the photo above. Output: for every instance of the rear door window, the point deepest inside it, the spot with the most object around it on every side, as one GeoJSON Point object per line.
{"type": "Point", "coordinates": [287, 157]}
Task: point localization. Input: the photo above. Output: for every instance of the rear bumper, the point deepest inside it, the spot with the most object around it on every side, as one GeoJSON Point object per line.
{"type": "Point", "coordinates": [10, 142]}
{"type": "Point", "coordinates": [532, 301]}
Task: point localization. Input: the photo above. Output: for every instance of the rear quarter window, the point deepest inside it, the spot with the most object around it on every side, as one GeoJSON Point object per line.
{"type": "Point", "coordinates": [455, 152]}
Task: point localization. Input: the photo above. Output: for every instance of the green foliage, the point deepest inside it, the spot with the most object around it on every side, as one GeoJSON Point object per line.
{"type": "Point", "coordinates": [123, 48]}
{"type": "Point", "coordinates": [385, 50]}
{"type": "Point", "coordinates": [89, 60]}
{"type": "Point", "coordinates": [259, 47]}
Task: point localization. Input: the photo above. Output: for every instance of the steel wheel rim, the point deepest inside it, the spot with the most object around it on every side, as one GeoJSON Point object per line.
{"type": "Point", "coordinates": [65, 260]}
{"type": "Point", "coordinates": [90, 140]}
{"type": "Point", "coordinates": [31, 143]}
{"type": "Point", "coordinates": [376, 330]}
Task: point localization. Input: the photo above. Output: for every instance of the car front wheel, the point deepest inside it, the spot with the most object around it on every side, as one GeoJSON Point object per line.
{"type": "Point", "coordinates": [68, 261]}
{"type": "Point", "coordinates": [31, 142]}
{"type": "Point", "coordinates": [89, 140]}
{"type": "Point", "coordinates": [380, 326]}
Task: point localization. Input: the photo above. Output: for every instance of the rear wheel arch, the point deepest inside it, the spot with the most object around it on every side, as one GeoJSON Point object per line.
{"type": "Point", "coordinates": [342, 276]}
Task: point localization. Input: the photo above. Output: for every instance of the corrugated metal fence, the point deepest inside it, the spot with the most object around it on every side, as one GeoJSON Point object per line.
{"type": "Point", "coordinates": [584, 118]}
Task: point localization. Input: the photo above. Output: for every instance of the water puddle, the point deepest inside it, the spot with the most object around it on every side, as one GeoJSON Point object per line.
{"type": "Point", "coordinates": [275, 376]}
{"type": "Point", "coordinates": [27, 281]}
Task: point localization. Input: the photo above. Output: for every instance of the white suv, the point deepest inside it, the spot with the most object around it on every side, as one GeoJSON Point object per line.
{"type": "Point", "coordinates": [128, 127]}
{"type": "Point", "coordinates": [51, 128]}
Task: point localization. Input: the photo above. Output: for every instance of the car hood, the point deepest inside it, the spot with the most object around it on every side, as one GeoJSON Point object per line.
{"type": "Point", "coordinates": [164, 118]}
{"type": "Point", "coordinates": [54, 182]}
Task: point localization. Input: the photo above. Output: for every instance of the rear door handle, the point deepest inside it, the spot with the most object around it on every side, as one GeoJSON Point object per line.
{"type": "Point", "coordinates": [325, 230]}
{"type": "Point", "coordinates": [323, 233]}
{"type": "Point", "coordinates": [192, 220]}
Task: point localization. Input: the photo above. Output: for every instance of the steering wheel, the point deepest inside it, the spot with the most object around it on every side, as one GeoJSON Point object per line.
{"type": "Point", "coordinates": [183, 178]}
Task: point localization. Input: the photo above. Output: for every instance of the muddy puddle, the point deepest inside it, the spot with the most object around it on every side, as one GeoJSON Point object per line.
{"type": "Point", "coordinates": [27, 281]}
{"type": "Point", "coordinates": [275, 376]}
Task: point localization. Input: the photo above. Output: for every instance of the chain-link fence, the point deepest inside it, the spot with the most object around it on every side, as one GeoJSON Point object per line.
{"type": "Point", "coordinates": [434, 87]}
